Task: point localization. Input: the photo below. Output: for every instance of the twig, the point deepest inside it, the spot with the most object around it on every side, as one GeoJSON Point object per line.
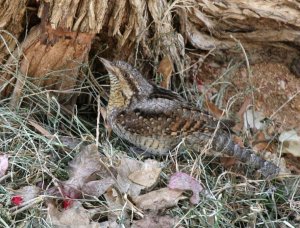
{"type": "Point", "coordinates": [5, 177]}
{"type": "Point", "coordinates": [284, 104]}
{"type": "Point", "coordinates": [98, 121]}
{"type": "Point", "coordinates": [249, 73]}
{"type": "Point", "coordinates": [245, 55]}
{"type": "Point", "coordinates": [4, 223]}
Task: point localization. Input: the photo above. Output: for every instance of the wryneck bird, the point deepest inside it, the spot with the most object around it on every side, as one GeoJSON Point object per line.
{"type": "Point", "coordinates": [156, 119]}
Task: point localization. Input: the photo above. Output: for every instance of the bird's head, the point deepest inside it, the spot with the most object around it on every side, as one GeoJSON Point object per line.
{"type": "Point", "coordinates": [126, 83]}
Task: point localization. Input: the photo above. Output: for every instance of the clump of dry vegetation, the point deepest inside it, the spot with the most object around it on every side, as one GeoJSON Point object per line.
{"type": "Point", "coordinates": [58, 169]}
{"type": "Point", "coordinates": [60, 166]}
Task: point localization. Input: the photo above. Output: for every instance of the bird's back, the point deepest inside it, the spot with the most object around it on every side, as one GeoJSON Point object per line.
{"type": "Point", "coordinates": [160, 128]}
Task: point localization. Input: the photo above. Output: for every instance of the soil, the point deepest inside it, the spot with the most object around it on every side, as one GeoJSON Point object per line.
{"type": "Point", "coordinates": [273, 90]}
{"type": "Point", "coordinates": [276, 91]}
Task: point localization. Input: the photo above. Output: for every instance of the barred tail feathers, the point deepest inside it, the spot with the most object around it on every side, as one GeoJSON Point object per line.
{"type": "Point", "coordinates": [223, 143]}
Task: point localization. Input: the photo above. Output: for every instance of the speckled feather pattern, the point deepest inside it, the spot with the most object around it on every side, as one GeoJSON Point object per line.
{"type": "Point", "coordinates": [156, 120]}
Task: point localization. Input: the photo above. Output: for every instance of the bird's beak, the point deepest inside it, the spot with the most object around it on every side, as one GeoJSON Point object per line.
{"type": "Point", "coordinates": [108, 65]}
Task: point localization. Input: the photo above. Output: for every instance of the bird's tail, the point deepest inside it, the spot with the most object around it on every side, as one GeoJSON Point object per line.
{"type": "Point", "coordinates": [223, 143]}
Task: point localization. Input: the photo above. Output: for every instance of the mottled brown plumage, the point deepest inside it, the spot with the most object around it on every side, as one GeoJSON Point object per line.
{"type": "Point", "coordinates": [156, 120]}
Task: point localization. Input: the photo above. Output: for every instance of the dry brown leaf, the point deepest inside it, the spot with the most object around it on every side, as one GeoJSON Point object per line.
{"type": "Point", "coordinates": [128, 177]}
{"type": "Point", "coordinates": [159, 199]}
{"type": "Point", "coordinates": [244, 107]}
{"type": "Point", "coordinates": [115, 204]}
{"type": "Point", "coordinates": [3, 164]}
{"type": "Point", "coordinates": [293, 163]}
{"type": "Point", "coordinates": [156, 221]}
{"type": "Point", "coordinates": [67, 141]}
{"type": "Point", "coordinates": [40, 129]}
{"type": "Point", "coordinates": [148, 175]}
{"type": "Point", "coordinates": [213, 109]}
{"type": "Point", "coordinates": [126, 167]}
{"type": "Point", "coordinates": [108, 224]}
{"type": "Point", "coordinates": [238, 140]}
{"type": "Point", "coordinates": [261, 143]}
{"type": "Point", "coordinates": [75, 216]}
{"type": "Point", "coordinates": [98, 187]}
{"type": "Point", "coordinates": [239, 126]}
{"type": "Point", "coordinates": [228, 162]}
{"type": "Point", "coordinates": [82, 170]}
{"type": "Point", "coordinates": [166, 69]}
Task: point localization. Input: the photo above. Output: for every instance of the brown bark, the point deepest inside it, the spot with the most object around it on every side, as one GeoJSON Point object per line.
{"type": "Point", "coordinates": [53, 60]}
{"type": "Point", "coordinates": [256, 24]}
{"type": "Point", "coordinates": [11, 25]}
{"type": "Point", "coordinates": [54, 49]}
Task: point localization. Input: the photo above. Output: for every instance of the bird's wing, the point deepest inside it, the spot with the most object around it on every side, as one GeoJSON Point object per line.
{"type": "Point", "coordinates": [164, 112]}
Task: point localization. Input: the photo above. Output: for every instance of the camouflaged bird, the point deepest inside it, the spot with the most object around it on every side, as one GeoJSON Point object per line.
{"type": "Point", "coordinates": [157, 120]}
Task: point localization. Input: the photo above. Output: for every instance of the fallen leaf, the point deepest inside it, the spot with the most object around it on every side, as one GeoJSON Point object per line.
{"type": "Point", "coordinates": [228, 162]}
{"type": "Point", "coordinates": [238, 140]}
{"type": "Point", "coordinates": [239, 126]}
{"type": "Point", "coordinates": [116, 208]}
{"type": "Point", "coordinates": [183, 181]}
{"type": "Point", "coordinates": [213, 109]}
{"type": "Point", "coordinates": [293, 163]}
{"type": "Point", "coordinates": [126, 167]}
{"type": "Point", "coordinates": [3, 164]}
{"type": "Point", "coordinates": [165, 68]}
{"type": "Point", "coordinates": [159, 199]}
{"type": "Point", "coordinates": [108, 224]}
{"type": "Point", "coordinates": [290, 142]}
{"type": "Point", "coordinates": [75, 216]}
{"type": "Point", "coordinates": [133, 175]}
{"type": "Point", "coordinates": [244, 106]}
{"type": "Point", "coordinates": [25, 194]}
{"type": "Point", "coordinates": [155, 221]}
{"type": "Point", "coordinates": [148, 174]}
{"type": "Point", "coordinates": [40, 129]}
{"type": "Point", "coordinates": [98, 187]}
{"type": "Point", "coordinates": [82, 171]}
{"type": "Point", "coordinates": [261, 143]}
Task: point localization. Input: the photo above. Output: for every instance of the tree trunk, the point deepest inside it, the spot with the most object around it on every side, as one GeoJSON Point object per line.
{"type": "Point", "coordinates": [51, 54]}
{"type": "Point", "coordinates": [11, 25]}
